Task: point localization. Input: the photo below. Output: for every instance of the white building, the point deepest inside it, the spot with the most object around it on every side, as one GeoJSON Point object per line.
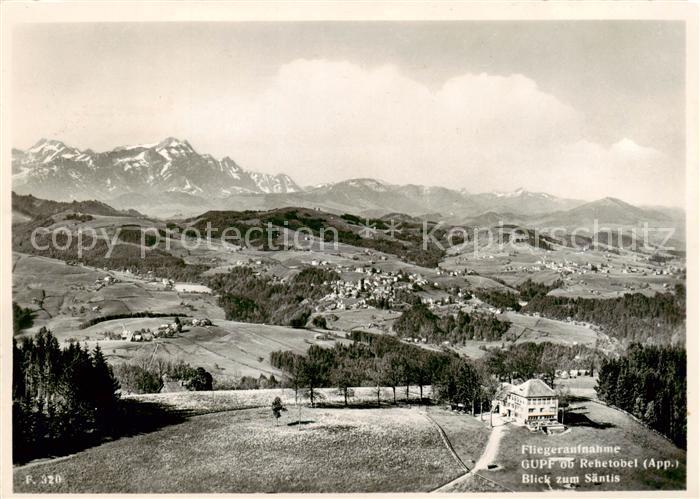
{"type": "Point", "coordinates": [531, 402]}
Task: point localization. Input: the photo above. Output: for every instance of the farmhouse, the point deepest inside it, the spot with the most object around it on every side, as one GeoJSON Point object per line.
{"type": "Point", "coordinates": [532, 402]}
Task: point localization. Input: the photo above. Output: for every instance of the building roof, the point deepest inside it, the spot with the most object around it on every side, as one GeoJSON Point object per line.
{"type": "Point", "coordinates": [533, 388]}
{"type": "Point", "coordinates": [503, 391]}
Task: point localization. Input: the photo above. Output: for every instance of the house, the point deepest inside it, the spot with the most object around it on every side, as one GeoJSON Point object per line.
{"type": "Point", "coordinates": [532, 402]}
{"type": "Point", "coordinates": [171, 385]}
{"type": "Point", "coordinates": [126, 334]}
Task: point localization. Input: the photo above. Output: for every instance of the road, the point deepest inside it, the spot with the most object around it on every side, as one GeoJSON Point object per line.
{"type": "Point", "coordinates": [487, 457]}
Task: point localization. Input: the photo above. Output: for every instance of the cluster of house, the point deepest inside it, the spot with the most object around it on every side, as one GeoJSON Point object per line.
{"type": "Point", "coordinates": [140, 335]}
{"type": "Point", "coordinates": [571, 373]}
{"type": "Point", "coordinates": [145, 334]}
{"type": "Point", "coordinates": [568, 267]}
{"type": "Point", "coordinates": [373, 285]}
{"type": "Point", "coordinates": [105, 281]}
{"type": "Point", "coordinates": [203, 322]}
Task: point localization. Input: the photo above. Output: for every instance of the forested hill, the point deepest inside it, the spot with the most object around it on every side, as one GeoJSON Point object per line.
{"type": "Point", "coordinates": [650, 383]}
{"type": "Point", "coordinates": [41, 208]}
{"type": "Point", "coordinates": [376, 234]}
{"type": "Point", "coordinates": [659, 319]}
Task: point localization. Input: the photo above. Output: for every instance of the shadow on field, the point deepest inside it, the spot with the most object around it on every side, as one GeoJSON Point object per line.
{"type": "Point", "coordinates": [581, 419]}
{"type": "Point", "coordinates": [299, 423]}
{"type": "Point", "coordinates": [145, 417]}
{"type": "Point", "coordinates": [130, 418]}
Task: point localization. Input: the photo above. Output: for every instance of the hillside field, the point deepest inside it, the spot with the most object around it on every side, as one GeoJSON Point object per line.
{"type": "Point", "coordinates": [333, 450]}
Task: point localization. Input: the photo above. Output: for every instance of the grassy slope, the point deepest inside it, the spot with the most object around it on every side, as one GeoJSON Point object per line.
{"type": "Point", "coordinates": [348, 450]}
{"type": "Point", "coordinates": [227, 400]}
{"type": "Point", "coordinates": [467, 435]}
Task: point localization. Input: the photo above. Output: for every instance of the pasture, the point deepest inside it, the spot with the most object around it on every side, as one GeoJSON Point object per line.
{"type": "Point", "coordinates": [246, 451]}
{"type": "Point", "coordinates": [65, 296]}
{"type": "Point", "coordinates": [226, 349]}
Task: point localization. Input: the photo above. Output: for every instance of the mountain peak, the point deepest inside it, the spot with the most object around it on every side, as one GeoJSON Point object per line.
{"type": "Point", "coordinates": [44, 144]}
{"type": "Point", "coordinates": [174, 142]}
{"type": "Point", "coordinates": [171, 165]}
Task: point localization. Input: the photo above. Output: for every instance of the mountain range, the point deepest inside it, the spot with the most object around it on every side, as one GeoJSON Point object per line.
{"type": "Point", "coordinates": [171, 179]}
{"type": "Point", "coordinates": [52, 169]}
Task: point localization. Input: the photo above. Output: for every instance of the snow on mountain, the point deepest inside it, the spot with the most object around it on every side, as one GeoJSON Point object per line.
{"type": "Point", "coordinates": [51, 168]}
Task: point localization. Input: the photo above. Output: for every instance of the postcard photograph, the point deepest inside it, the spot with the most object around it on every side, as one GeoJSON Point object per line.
{"type": "Point", "coordinates": [332, 256]}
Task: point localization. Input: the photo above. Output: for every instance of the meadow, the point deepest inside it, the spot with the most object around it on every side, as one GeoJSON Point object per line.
{"type": "Point", "coordinates": [332, 450]}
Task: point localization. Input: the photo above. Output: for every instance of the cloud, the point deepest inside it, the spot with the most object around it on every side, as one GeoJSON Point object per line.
{"type": "Point", "coordinates": [322, 120]}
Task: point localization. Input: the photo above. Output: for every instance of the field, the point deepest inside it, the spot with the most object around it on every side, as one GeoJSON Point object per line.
{"type": "Point", "coordinates": [333, 450]}
{"type": "Point", "coordinates": [231, 443]}
{"type": "Point", "coordinates": [227, 349]}
{"type": "Point", "coordinates": [66, 296]}
{"type": "Point", "coordinates": [65, 299]}
{"type": "Point", "coordinates": [229, 400]}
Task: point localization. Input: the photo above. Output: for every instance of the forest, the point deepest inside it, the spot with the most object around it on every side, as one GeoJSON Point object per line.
{"type": "Point", "coordinates": [248, 297]}
{"type": "Point", "coordinates": [649, 382]}
{"type": "Point", "coordinates": [67, 399]}
{"type": "Point", "coordinates": [420, 322]}
{"type": "Point", "coordinates": [61, 398]}
{"type": "Point", "coordinates": [630, 318]}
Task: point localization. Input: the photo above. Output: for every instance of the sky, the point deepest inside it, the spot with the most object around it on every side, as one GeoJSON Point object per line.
{"type": "Point", "coordinates": [580, 109]}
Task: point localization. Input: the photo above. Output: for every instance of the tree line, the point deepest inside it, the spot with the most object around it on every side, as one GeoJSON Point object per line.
{"type": "Point", "coordinates": [524, 361]}
{"type": "Point", "coordinates": [147, 376]}
{"type": "Point", "coordinates": [384, 361]}
{"type": "Point", "coordinates": [650, 383]}
{"type": "Point", "coordinates": [103, 318]}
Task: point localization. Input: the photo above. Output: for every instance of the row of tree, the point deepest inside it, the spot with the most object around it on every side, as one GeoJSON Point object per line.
{"type": "Point", "coordinates": [145, 375]}
{"type": "Point", "coordinates": [384, 361]}
{"type": "Point", "coordinates": [650, 383]}
{"type": "Point", "coordinates": [528, 360]}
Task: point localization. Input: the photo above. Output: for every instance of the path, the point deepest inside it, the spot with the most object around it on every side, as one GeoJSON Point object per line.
{"type": "Point", "coordinates": [487, 456]}
{"type": "Point", "coordinates": [491, 450]}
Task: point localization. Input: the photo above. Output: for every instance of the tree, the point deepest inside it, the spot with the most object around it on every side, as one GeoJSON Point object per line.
{"type": "Point", "coordinates": [564, 396]}
{"type": "Point", "coordinates": [459, 383]}
{"type": "Point", "coordinates": [277, 409]}
{"type": "Point", "coordinates": [22, 318]}
{"type": "Point", "coordinates": [320, 322]}
{"type": "Point", "coordinates": [345, 376]}
{"type": "Point", "coordinates": [201, 381]}
{"type": "Point", "coordinates": [392, 371]}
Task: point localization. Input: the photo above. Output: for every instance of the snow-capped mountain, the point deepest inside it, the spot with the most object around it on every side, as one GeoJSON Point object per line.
{"type": "Point", "coordinates": [52, 169]}
{"type": "Point", "coordinates": [523, 202]}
